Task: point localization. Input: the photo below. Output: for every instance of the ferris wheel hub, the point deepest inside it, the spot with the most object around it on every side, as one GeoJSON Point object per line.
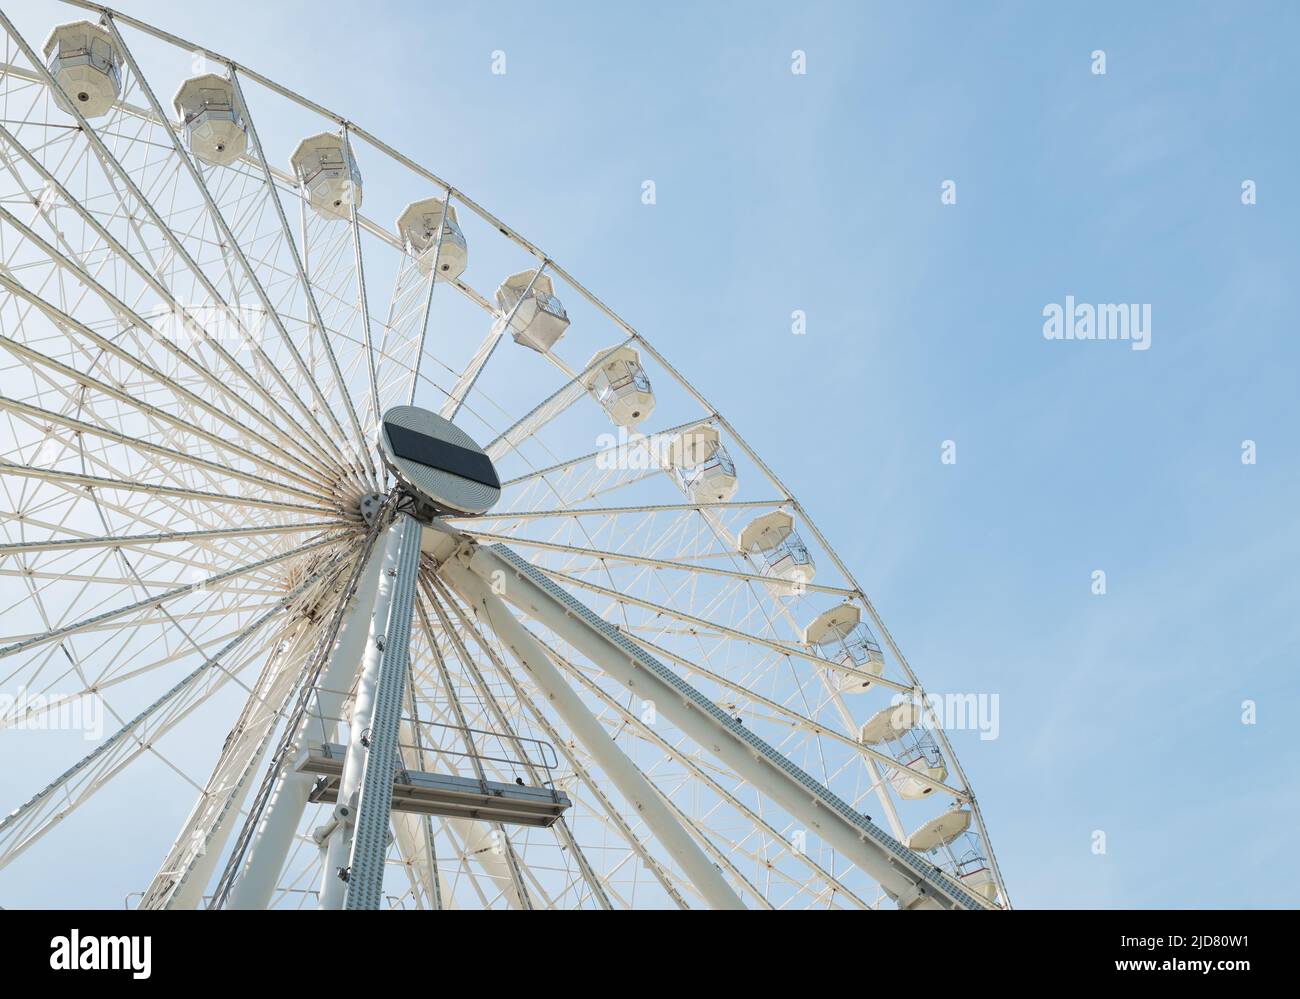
{"type": "Point", "coordinates": [436, 463]}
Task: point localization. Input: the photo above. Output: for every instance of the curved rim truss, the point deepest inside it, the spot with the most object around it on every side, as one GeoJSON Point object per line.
{"type": "Point", "coordinates": [197, 571]}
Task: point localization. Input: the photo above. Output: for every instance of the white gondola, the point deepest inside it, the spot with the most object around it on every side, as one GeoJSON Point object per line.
{"type": "Point", "coordinates": [538, 319]}
{"type": "Point", "coordinates": [419, 225]}
{"type": "Point", "coordinates": [785, 559]}
{"type": "Point", "coordinates": [917, 753]}
{"type": "Point", "coordinates": [950, 844]}
{"type": "Point", "coordinates": [214, 121]}
{"type": "Point", "coordinates": [840, 635]}
{"type": "Point", "coordinates": [83, 59]}
{"type": "Point", "coordinates": [703, 468]}
{"type": "Point", "coordinates": [328, 175]}
{"type": "Point", "coordinates": [619, 384]}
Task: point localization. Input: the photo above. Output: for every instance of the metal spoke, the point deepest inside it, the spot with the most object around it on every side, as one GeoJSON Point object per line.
{"type": "Point", "coordinates": [150, 602]}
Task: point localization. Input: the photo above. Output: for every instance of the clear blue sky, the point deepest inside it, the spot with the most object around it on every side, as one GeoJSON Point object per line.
{"type": "Point", "coordinates": [821, 192]}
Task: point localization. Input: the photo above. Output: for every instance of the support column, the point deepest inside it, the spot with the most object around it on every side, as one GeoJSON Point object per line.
{"type": "Point", "coordinates": [335, 839]}
{"type": "Point", "coordinates": [369, 847]}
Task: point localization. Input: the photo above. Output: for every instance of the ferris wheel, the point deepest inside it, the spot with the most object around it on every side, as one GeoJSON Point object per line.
{"type": "Point", "coordinates": [411, 574]}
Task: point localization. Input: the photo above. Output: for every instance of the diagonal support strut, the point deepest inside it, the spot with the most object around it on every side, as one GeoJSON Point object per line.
{"type": "Point", "coordinates": [904, 875]}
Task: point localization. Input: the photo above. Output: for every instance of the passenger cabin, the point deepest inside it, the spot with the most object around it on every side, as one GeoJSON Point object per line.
{"type": "Point", "coordinates": [954, 849]}
{"type": "Point", "coordinates": [536, 317]}
{"type": "Point", "coordinates": [840, 636]}
{"type": "Point", "coordinates": [328, 175]}
{"type": "Point", "coordinates": [617, 381]}
{"type": "Point", "coordinates": [703, 468]}
{"type": "Point", "coordinates": [915, 751]}
{"type": "Point", "coordinates": [84, 61]}
{"type": "Point", "coordinates": [213, 121]}
{"type": "Point", "coordinates": [918, 753]}
{"type": "Point", "coordinates": [420, 226]}
{"type": "Point", "coordinates": [785, 559]}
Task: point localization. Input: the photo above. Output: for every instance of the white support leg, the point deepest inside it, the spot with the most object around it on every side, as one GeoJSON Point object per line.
{"type": "Point", "coordinates": [337, 843]}
{"type": "Point", "coordinates": [270, 847]}
{"type": "Point", "coordinates": [631, 783]}
{"type": "Point", "coordinates": [903, 874]}
{"type": "Point", "coordinates": [371, 821]}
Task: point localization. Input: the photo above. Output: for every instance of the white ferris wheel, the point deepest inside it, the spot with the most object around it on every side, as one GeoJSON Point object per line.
{"type": "Point", "coordinates": [413, 576]}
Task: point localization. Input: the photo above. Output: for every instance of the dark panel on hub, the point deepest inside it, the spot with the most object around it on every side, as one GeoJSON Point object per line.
{"type": "Point", "coordinates": [442, 455]}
